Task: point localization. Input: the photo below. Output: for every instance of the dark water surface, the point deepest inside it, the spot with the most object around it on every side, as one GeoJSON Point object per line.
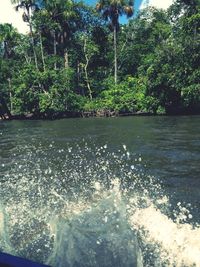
{"type": "Point", "coordinates": [59, 169]}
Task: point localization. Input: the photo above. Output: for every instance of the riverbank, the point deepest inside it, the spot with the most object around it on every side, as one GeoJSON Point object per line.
{"type": "Point", "coordinates": [89, 114]}
{"type": "Point", "coordinates": [92, 114]}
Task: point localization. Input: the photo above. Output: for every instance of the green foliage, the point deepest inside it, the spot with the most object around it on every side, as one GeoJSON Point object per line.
{"type": "Point", "coordinates": [191, 97]}
{"type": "Point", "coordinates": [65, 63]}
{"type": "Point", "coordinates": [58, 95]}
{"type": "Point", "coordinates": [125, 97]}
{"type": "Point", "coordinates": [43, 92]}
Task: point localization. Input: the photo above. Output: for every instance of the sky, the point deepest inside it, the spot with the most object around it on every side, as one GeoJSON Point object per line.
{"type": "Point", "coordinates": [9, 15]}
{"type": "Point", "coordinates": [157, 3]}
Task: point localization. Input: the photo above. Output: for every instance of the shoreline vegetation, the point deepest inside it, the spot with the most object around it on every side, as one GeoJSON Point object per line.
{"type": "Point", "coordinates": [90, 114]}
{"type": "Point", "coordinates": [79, 61]}
{"type": "Point", "coordinates": [99, 114]}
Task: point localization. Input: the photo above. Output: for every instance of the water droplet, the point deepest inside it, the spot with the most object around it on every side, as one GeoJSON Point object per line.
{"type": "Point", "coordinates": [124, 147]}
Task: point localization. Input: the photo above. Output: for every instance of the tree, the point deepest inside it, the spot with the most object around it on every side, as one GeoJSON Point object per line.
{"type": "Point", "coordinates": [9, 38]}
{"type": "Point", "coordinates": [27, 6]}
{"type": "Point", "coordinates": [111, 10]}
{"type": "Point", "coordinates": [48, 29]}
{"type": "Point", "coordinates": [63, 17]}
{"type": "Point", "coordinates": [157, 57]}
{"type": "Point", "coordinates": [89, 50]}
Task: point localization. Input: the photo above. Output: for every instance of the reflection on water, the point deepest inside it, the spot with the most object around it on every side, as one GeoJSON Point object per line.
{"type": "Point", "coordinates": [115, 192]}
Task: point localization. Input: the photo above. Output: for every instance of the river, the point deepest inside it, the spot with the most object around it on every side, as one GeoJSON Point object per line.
{"type": "Point", "coordinates": [101, 191]}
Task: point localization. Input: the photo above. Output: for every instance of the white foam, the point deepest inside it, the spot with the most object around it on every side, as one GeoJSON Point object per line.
{"type": "Point", "coordinates": [1, 222]}
{"type": "Point", "coordinates": [77, 224]}
{"type": "Point", "coordinates": [181, 242]}
{"type": "Point", "coordinates": [101, 221]}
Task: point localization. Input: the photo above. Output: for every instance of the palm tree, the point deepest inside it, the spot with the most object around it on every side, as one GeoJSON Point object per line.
{"type": "Point", "coordinates": [28, 6]}
{"type": "Point", "coordinates": [111, 10]}
{"type": "Point", "coordinates": [64, 16]}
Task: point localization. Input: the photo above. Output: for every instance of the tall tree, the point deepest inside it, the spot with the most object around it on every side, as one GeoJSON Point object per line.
{"type": "Point", "coordinates": [28, 6]}
{"type": "Point", "coordinates": [64, 17]}
{"type": "Point", "coordinates": [111, 10]}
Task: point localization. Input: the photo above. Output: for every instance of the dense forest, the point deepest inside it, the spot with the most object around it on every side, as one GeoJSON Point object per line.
{"type": "Point", "coordinates": [79, 61]}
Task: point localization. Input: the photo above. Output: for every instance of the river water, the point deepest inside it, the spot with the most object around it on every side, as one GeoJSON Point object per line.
{"type": "Point", "coordinates": [101, 192]}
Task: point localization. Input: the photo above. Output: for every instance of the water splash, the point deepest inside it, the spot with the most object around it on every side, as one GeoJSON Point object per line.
{"type": "Point", "coordinates": [87, 206]}
{"type": "Point", "coordinates": [175, 244]}
{"type": "Point", "coordinates": [97, 234]}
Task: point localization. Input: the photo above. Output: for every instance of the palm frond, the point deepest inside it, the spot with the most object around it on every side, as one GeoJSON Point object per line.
{"type": "Point", "coordinates": [19, 7]}
{"type": "Point", "coordinates": [112, 9]}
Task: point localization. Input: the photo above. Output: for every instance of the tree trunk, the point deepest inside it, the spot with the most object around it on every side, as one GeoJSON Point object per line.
{"type": "Point", "coordinates": [42, 52]}
{"type": "Point", "coordinates": [54, 49]}
{"type": "Point", "coordinates": [10, 93]}
{"type": "Point", "coordinates": [32, 40]}
{"type": "Point", "coordinates": [66, 58]}
{"type": "Point", "coordinates": [81, 90]}
{"type": "Point", "coordinates": [33, 46]}
{"type": "Point", "coordinates": [115, 52]}
{"type": "Point", "coordinates": [86, 70]}
{"type": "Point", "coordinates": [87, 81]}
